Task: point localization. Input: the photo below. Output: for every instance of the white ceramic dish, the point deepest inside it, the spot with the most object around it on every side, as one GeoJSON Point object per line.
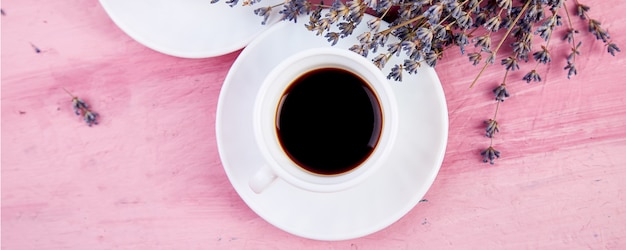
{"type": "Point", "coordinates": [374, 204]}
{"type": "Point", "coordinates": [187, 28]}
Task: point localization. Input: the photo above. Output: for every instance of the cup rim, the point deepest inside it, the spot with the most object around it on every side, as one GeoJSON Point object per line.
{"type": "Point", "coordinates": [267, 102]}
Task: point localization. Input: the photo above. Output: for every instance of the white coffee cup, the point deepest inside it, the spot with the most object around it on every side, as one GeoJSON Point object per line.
{"type": "Point", "coordinates": [277, 163]}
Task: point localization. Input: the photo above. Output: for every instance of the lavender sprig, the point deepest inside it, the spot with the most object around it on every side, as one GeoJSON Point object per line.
{"type": "Point", "coordinates": [490, 154]}
{"type": "Point", "coordinates": [425, 29]}
{"type": "Point", "coordinates": [80, 107]}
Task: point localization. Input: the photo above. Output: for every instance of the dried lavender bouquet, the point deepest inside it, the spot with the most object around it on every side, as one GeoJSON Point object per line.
{"type": "Point", "coordinates": [424, 29]}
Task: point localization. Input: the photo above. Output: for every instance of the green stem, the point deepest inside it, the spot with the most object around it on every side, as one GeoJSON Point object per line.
{"type": "Point", "coordinates": [571, 26]}
{"type": "Point", "coordinates": [388, 30]}
{"type": "Point", "coordinates": [68, 92]}
{"type": "Point", "coordinates": [508, 32]}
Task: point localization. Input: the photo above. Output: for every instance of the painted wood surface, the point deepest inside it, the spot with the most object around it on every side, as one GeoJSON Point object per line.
{"type": "Point", "coordinates": [149, 176]}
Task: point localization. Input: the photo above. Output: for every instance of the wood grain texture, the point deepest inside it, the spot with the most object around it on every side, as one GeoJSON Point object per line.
{"type": "Point", "coordinates": [149, 175]}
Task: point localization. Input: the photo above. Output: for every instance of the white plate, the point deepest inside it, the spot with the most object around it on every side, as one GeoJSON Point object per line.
{"type": "Point", "coordinates": [372, 205]}
{"type": "Point", "coordinates": [187, 28]}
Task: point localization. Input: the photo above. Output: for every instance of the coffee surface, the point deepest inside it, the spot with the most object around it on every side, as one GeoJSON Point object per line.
{"type": "Point", "coordinates": [329, 121]}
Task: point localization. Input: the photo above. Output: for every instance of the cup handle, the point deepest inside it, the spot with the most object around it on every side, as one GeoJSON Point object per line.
{"type": "Point", "coordinates": [262, 179]}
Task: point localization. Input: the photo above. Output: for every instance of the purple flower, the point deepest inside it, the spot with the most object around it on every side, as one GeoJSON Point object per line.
{"type": "Point", "coordinates": [395, 48]}
{"type": "Point", "coordinates": [464, 20]}
{"type": "Point", "coordinates": [360, 49]}
{"type": "Point", "coordinates": [571, 69]}
{"type": "Point", "coordinates": [380, 60]}
{"type": "Point", "coordinates": [455, 9]}
{"type": "Point", "coordinates": [480, 19]}
{"type": "Point", "coordinates": [501, 92]}
{"type": "Point", "coordinates": [545, 30]}
{"type": "Point", "coordinates": [542, 56]}
{"type": "Point", "coordinates": [505, 4]}
{"type": "Point", "coordinates": [292, 9]}
{"type": "Point", "coordinates": [535, 13]}
{"type": "Point", "coordinates": [581, 10]}
{"type": "Point", "coordinates": [612, 48]}
{"type": "Point", "coordinates": [461, 39]}
{"type": "Point", "coordinates": [263, 12]}
{"type": "Point", "coordinates": [474, 57]}
{"type": "Point", "coordinates": [491, 58]}
{"type": "Point", "coordinates": [425, 35]}
{"type": "Point", "coordinates": [434, 13]}
{"type": "Point", "coordinates": [440, 32]}
{"type": "Point", "coordinates": [493, 24]}
{"type": "Point", "coordinates": [492, 128]}
{"type": "Point", "coordinates": [483, 41]}
{"type": "Point", "coordinates": [473, 6]}
{"type": "Point", "coordinates": [341, 9]}
{"type": "Point", "coordinates": [374, 24]}
{"type": "Point", "coordinates": [522, 48]}
{"type": "Point", "coordinates": [396, 73]}
{"type": "Point", "coordinates": [78, 105]}
{"type": "Point", "coordinates": [598, 31]}
{"type": "Point", "coordinates": [431, 58]}
{"type": "Point", "coordinates": [411, 48]}
{"type": "Point", "coordinates": [232, 3]}
{"type": "Point", "coordinates": [574, 52]}
{"type": "Point", "coordinates": [90, 118]}
{"type": "Point", "coordinates": [333, 37]}
{"type": "Point", "coordinates": [532, 76]}
{"type": "Point", "coordinates": [364, 38]}
{"type": "Point", "coordinates": [346, 28]}
{"type": "Point", "coordinates": [569, 36]}
{"type": "Point", "coordinates": [490, 154]}
{"type": "Point", "coordinates": [510, 63]}
{"type": "Point", "coordinates": [411, 66]}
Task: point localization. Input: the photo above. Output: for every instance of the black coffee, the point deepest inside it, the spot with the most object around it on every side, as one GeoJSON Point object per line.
{"type": "Point", "coordinates": [329, 121]}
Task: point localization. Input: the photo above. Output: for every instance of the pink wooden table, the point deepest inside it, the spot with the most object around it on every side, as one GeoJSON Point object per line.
{"type": "Point", "coordinates": [149, 176]}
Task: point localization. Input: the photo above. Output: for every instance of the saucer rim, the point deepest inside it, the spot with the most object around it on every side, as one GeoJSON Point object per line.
{"type": "Point", "coordinates": [123, 24]}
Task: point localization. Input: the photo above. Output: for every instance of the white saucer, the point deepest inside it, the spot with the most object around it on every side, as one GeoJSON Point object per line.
{"type": "Point", "coordinates": [372, 205]}
{"type": "Point", "coordinates": [187, 28]}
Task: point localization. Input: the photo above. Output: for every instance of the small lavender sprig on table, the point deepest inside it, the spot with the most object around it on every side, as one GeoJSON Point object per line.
{"type": "Point", "coordinates": [424, 29]}
{"type": "Point", "coordinates": [81, 108]}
